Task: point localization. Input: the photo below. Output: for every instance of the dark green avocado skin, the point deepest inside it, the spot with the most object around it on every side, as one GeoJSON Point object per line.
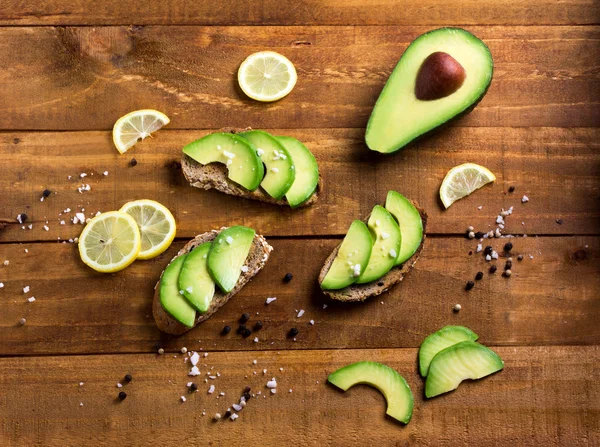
{"type": "Point", "coordinates": [459, 115]}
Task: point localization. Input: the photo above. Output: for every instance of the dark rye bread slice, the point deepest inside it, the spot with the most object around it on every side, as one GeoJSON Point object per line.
{"type": "Point", "coordinates": [360, 292]}
{"type": "Point", "coordinates": [257, 257]}
{"type": "Point", "coordinates": [214, 176]}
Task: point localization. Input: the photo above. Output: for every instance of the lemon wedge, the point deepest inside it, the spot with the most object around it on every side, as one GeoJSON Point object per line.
{"type": "Point", "coordinates": [462, 180]}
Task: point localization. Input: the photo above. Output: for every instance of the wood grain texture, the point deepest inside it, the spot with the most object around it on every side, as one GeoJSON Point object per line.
{"type": "Point", "coordinates": [69, 78]}
{"type": "Point", "coordinates": [311, 12]}
{"type": "Point", "coordinates": [557, 168]}
{"type": "Point", "coordinates": [550, 299]}
{"type": "Point", "coordinates": [544, 396]}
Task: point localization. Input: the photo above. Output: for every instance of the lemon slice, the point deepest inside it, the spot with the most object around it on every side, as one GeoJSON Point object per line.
{"type": "Point", "coordinates": [135, 126]}
{"type": "Point", "coordinates": [156, 224]}
{"type": "Point", "coordinates": [267, 76]}
{"type": "Point", "coordinates": [462, 180]}
{"type": "Point", "coordinates": [110, 242]}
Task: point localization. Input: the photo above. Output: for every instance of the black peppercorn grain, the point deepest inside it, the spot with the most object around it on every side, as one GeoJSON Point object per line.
{"type": "Point", "coordinates": [470, 285]}
{"type": "Point", "coordinates": [493, 269]}
{"type": "Point", "coordinates": [226, 330]}
{"type": "Point", "coordinates": [128, 378]}
{"type": "Point", "coordinates": [511, 189]}
{"type": "Point", "coordinates": [133, 162]}
{"type": "Point", "coordinates": [508, 246]}
{"type": "Point", "coordinates": [193, 387]}
{"type": "Point", "coordinates": [247, 332]}
{"type": "Point", "coordinates": [293, 332]}
{"type": "Point", "coordinates": [479, 276]}
{"type": "Point", "coordinates": [288, 277]}
{"type": "Point", "coordinates": [488, 250]}
{"type": "Point", "coordinates": [46, 193]}
{"type": "Point", "coordinates": [122, 395]}
{"type": "Point", "coordinates": [245, 317]}
{"type": "Point", "coordinates": [258, 326]}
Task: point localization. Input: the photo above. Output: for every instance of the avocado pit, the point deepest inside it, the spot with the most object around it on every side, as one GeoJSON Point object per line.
{"type": "Point", "coordinates": [440, 75]}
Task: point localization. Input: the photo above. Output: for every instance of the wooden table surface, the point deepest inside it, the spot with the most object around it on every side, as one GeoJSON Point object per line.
{"type": "Point", "coordinates": [69, 69]}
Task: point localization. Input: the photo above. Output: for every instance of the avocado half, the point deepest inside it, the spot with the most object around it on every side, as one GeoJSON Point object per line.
{"type": "Point", "coordinates": [448, 86]}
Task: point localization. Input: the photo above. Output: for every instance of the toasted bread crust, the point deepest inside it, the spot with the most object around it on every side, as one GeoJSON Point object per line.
{"type": "Point", "coordinates": [360, 292]}
{"type": "Point", "coordinates": [214, 176]}
{"type": "Point", "coordinates": [258, 256]}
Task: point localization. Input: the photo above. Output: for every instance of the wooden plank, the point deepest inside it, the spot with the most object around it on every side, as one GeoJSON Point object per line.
{"type": "Point", "coordinates": [310, 12]}
{"type": "Point", "coordinates": [550, 299]}
{"type": "Point", "coordinates": [556, 168]}
{"type": "Point", "coordinates": [544, 396]}
{"type": "Point", "coordinates": [85, 78]}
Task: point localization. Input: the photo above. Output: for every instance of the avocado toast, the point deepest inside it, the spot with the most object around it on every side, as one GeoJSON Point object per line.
{"type": "Point", "coordinates": [361, 291]}
{"type": "Point", "coordinates": [258, 255]}
{"type": "Point", "coordinates": [215, 175]}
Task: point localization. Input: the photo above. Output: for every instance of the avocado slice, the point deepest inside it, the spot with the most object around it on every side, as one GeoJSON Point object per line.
{"type": "Point", "coordinates": [464, 360]}
{"type": "Point", "coordinates": [410, 222]}
{"type": "Point", "coordinates": [351, 259]}
{"type": "Point", "coordinates": [280, 173]}
{"type": "Point", "coordinates": [399, 116]}
{"type": "Point", "coordinates": [387, 380]}
{"type": "Point", "coordinates": [386, 246]}
{"type": "Point", "coordinates": [228, 254]}
{"type": "Point", "coordinates": [170, 295]}
{"type": "Point", "coordinates": [195, 281]}
{"type": "Point", "coordinates": [307, 172]}
{"type": "Point", "coordinates": [244, 165]}
{"type": "Point", "coordinates": [436, 342]}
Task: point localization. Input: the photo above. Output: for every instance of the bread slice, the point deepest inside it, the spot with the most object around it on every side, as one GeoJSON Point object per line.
{"type": "Point", "coordinates": [360, 292]}
{"type": "Point", "coordinates": [257, 257]}
{"type": "Point", "coordinates": [214, 176]}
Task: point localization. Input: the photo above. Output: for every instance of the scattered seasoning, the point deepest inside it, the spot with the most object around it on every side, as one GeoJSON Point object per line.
{"type": "Point", "coordinates": [211, 389]}
{"type": "Point", "coordinates": [293, 332]}
{"type": "Point", "coordinates": [470, 228]}
{"type": "Point", "coordinates": [508, 264]}
{"type": "Point", "coordinates": [559, 221]}
{"type": "Point", "coordinates": [479, 235]}
{"type": "Point", "coordinates": [247, 332]}
{"type": "Point", "coordinates": [258, 326]}
{"type": "Point", "coordinates": [235, 416]}
{"type": "Point", "coordinates": [217, 416]}
{"type": "Point", "coordinates": [300, 313]}
{"type": "Point", "coordinates": [507, 273]}
{"type": "Point", "coordinates": [184, 350]}
{"type": "Point", "coordinates": [161, 351]}
{"type": "Point", "coordinates": [247, 396]}
{"type": "Point", "coordinates": [241, 328]}
{"type": "Point", "coordinates": [227, 413]}
{"type": "Point", "coordinates": [270, 300]}
{"type": "Point", "coordinates": [245, 317]}
{"type": "Point", "coordinates": [133, 162]}
{"type": "Point", "coordinates": [193, 387]}
{"type": "Point", "coordinates": [122, 395]}
{"type": "Point", "coordinates": [520, 258]}
{"type": "Point", "coordinates": [511, 189]}
{"type": "Point", "coordinates": [508, 246]}
{"type": "Point", "coordinates": [226, 330]}
{"type": "Point", "coordinates": [493, 269]}
{"type": "Point", "coordinates": [21, 218]}
{"type": "Point", "coordinates": [22, 321]}
{"type": "Point", "coordinates": [488, 250]}
{"type": "Point", "coordinates": [183, 399]}
{"type": "Point", "coordinates": [46, 193]}
{"type": "Point", "coordinates": [479, 276]}
{"type": "Point", "coordinates": [457, 308]}
{"type": "Point", "coordinates": [288, 277]}
{"type": "Point", "coordinates": [128, 378]}
{"type": "Point", "coordinates": [525, 199]}
{"type": "Point", "coordinates": [470, 285]}
{"type": "Point", "coordinates": [247, 390]}
{"type": "Point", "coordinates": [470, 235]}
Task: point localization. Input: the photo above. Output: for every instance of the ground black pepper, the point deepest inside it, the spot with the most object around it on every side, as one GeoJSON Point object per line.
{"type": "Point", "coordinates": [479, 276]}
{"type": "Point", "coordinates": [288, 277]}
{"type": "Point", "coordinates": [226, 330]}
{"type": "Point", "coordinates": [293, 332]}
{"type": "Point", "coordinates": [470, 285]}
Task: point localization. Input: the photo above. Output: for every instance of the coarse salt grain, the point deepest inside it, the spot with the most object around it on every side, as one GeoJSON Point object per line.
{"type": "Point", "coordinates": [194, 371]}
{"type": "Point", "coordinates": [46, 228]}
{"type": "Point", "coordinates": [211, 389]}
{"type": "Point", "coordinates": [244, 269]}
{"type": "Point", "coordinates": [26, 289]}
{"type": "Point", "coordinates": [312, 321]}
{"type": "Point", "coordinates": [237, 407]}
{"type": "Point", "coordinates": [195, 358]}
{"type": "Point", "coordinates": [31, 300]}
{"type": "Point", "coordinates": [273, 390]}
{"type": "Point", "coordinates": [272, 384]}
{"type": "Point", "coordinates": [270, 300]}
{"type": "Point", "coordinates": [255, 339]}
{"type": "Point", "coordinates": [479, 248]}
{"type": "Point", "coordinates": [183, 399]}
{"type": "Point", "coordinates": [300, 313]}
{"type": "Point", "coordinates": [1, 285]}
{"type": "Point", "coordinates": [525, 199]}
{"type": "Point", "coordinates": [119, 385]}
{"type": "Point", "coordinates": [234, 416]}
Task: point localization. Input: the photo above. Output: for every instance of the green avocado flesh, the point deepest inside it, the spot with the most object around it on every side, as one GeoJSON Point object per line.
{"type": "Point", "coordinates": [170, 297]}
{"type": "Point", "coordinates": [387, 380]}
{"type": "Point", "coordinates": [410, 222]}
{"type": "Point", "coordinates": [280, 170]}
{"type": "Point", "coordinates": [399, 117]}
{"type": "Point", "coordinates": [244, 165]}
{"type": "Point", "coordinates": [195, 281]}
{"type": "Point", "coordinates": [228, 254]}
{"type": "Point", "coordinates": [307, 172]}
{"type": "Point", "coordinates": [440, 340]}
{"type": "Point", "coordinates": [386, 246]}
{"type": "Point", "coordinates": [351, 259]}
{"type": "Point", "coordinates": [464, 360]}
